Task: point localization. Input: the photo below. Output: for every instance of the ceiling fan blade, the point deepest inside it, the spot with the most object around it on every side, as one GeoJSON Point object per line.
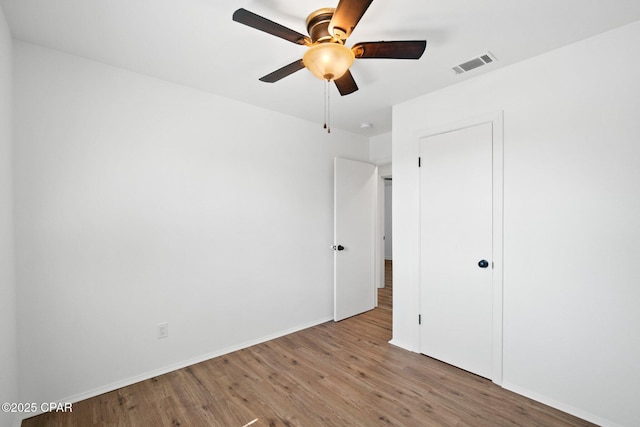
{"type": "Point", "coordinates": [252, 20]}
{"type": "Point", "coordinates": [346, 84]}
{"type": "Point", "coordinates": [407, 49]}
{"type": "Point", "coordinates": [283, 72]}
{"type": "Point", "coordinates": [347, 16]}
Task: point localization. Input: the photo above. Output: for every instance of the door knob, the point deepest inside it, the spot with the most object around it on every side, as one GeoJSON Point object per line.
{"type": "Point", "coordinates": [338, 248]}
{"type": "Point", "coordinates": [483, 263]}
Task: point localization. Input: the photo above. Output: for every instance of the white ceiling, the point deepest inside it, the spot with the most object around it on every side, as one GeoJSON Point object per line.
{"type": "Point", "coordinates": [195, 43]}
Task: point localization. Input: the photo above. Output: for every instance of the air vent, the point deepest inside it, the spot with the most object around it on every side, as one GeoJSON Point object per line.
{"type": "Point", "coordinates": [471, 64]}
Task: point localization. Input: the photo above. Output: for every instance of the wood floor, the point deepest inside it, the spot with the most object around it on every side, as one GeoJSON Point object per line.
{"type": "Point", "coordinates": [335, 374]}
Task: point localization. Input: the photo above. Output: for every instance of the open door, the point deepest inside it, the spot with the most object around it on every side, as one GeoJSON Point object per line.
{"type": "Point", "coordinates": [354, 243]}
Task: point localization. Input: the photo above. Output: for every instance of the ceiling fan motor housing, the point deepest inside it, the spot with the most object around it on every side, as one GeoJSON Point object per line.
{"type": "Point", "coordinates": [318, 25]}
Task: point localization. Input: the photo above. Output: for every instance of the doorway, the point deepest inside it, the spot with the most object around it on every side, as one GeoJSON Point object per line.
{"type": "Point", "coordinates": [384, 237]}
{"type": "Point", "coordinates": [385, 293]}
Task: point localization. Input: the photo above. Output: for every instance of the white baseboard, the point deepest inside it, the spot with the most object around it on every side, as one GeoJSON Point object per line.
{"type": "Point", "coordinates": [559, 405]}
{"type": "Point", "coordinates": [173, 367]}
{"type": "Point", "coordinates": [402, 345]}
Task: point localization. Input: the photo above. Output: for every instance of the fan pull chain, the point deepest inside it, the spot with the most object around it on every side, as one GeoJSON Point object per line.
{"type": "Point", "coordinates": [327, 106]}
{"type": "Point", "coordinates": [324, 98]}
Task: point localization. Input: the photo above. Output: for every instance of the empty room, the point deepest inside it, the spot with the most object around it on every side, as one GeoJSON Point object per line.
{"type": "Point", "coordinates": [343, 213]}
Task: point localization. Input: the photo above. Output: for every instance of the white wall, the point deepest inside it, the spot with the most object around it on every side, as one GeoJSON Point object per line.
{"type": "Point", "coordinates": [139, 202]}
{"type": "Point", "coordinates": [380, 149]}
{"type": "Point", "coordinates": [571, 212]}
{"type": "Point", "coordinates": [8, 340]}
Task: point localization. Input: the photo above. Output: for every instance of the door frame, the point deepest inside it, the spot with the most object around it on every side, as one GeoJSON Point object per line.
{"type": "Point", "coordinates": [497, 121]}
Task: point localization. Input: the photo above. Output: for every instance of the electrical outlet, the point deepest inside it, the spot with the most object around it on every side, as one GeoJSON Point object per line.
{"type": "Point", "coordinates": [163, 330]}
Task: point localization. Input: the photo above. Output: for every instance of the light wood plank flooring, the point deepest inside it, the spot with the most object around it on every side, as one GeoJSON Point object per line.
{"type": "Point", "coordinates": [334, 374]}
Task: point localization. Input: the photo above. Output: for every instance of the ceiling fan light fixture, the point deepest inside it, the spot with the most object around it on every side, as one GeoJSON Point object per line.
{"type": "Point", "coordinates": [328, 61]}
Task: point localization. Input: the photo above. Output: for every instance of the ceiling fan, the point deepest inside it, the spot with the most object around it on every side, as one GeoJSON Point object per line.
{"type": "Point", "coordinates": [327, 57]}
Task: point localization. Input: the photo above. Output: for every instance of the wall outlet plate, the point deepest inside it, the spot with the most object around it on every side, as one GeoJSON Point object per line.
{"type": "Point", "coordinates": [163, 330]}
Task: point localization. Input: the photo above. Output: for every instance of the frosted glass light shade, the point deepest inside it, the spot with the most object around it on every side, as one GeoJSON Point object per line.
{"type": "Point", "coordinates": [328, 61]}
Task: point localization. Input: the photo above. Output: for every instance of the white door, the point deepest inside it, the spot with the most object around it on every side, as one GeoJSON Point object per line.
{"type": "Point", "coordinates": [456, 248]}
{"type": "Point", "coordinates": [354, 229]}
